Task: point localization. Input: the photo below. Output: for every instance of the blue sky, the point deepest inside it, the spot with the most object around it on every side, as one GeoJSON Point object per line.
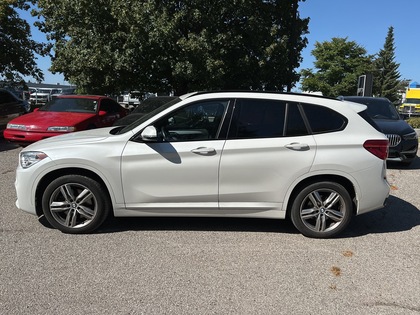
{"type": "Point", "coordinates": [364, 21]}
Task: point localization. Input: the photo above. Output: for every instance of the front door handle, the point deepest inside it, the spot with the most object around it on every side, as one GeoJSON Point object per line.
{"type": "Point", "coordinates": [204, 151]}
{"type": "Point", "coordinates": [296, 146]}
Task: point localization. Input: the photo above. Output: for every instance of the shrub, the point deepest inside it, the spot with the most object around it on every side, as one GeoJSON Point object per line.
{"type": "Point", "coordinates": [414, 122]}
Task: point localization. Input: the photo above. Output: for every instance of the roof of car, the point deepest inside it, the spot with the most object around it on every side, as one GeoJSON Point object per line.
{"type": "Point", "coordinates": [355, 97]}
{"type": "Point", "coordinates": [82, 96]}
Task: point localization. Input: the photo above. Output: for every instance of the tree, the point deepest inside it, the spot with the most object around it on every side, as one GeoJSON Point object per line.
{"type": "Point", "coordinates": [338, 65]}
{"type": "Point", "coordinates": [387, 83]}
{"type": "Point", "coordinates": [112, 45]}
{"type": "Point", "coordinates": [17, 53]}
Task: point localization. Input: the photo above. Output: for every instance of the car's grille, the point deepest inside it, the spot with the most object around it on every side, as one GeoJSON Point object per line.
{"type": "Point", "coordinates": [394, 140]}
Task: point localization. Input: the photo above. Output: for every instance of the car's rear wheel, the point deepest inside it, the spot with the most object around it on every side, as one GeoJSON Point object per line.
{"type": "Point", "coordinates": [75, 204]}
{"type": "Point", "coordinates": [322, 210]}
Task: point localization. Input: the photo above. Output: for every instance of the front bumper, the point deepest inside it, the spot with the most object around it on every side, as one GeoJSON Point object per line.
{"type": "Point", "coordinates": [27, 136]}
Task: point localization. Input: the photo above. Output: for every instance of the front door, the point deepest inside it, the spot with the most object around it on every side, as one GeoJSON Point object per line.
{"type": "Point", "coordinates": [180, 172]}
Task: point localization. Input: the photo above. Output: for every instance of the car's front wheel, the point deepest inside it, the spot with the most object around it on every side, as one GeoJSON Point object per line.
{"type": "Point", "coordinates": [322, 209]}
{"type": "Point", "coordinates": [75, 204]}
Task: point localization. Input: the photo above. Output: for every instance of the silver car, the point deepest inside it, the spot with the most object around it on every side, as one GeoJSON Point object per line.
{"type": "Point", "coordinates": [314, 160]}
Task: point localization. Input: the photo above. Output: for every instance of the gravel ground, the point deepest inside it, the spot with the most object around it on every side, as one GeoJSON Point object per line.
{"type": "Point", "coordinates": [212, 266]}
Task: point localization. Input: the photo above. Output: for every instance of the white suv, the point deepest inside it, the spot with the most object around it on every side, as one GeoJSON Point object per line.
{"type": "Point", "coordinates": [315, 160]}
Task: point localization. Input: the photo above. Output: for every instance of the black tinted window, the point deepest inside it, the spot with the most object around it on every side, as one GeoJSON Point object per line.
{"type": "Point", "coordinates": [257, 119]}
{"type": "Point", "coordinates": [109, 106]}
{"type": "Point", "coordinates": [322, 119]}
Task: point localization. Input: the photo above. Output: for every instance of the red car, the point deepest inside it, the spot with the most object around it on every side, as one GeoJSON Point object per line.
{"type": "Point", "coordinates": [66, 113]}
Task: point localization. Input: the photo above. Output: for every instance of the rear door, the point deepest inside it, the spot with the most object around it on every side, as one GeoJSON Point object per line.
{"type": "Point", "coordinates": [268, 147]}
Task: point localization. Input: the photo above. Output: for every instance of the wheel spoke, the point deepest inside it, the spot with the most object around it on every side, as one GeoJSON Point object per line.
{"type": "Point", "coordinates": [315, 198]}
{"type": "Point", "coordinates": [335, 215]}
{"type": "Point", "coordinates": [67, 192]}
{"type": "Point", "coordinates": [320, 223]}
{"type": "Point", "coordinates": [86, 212]}
{"type": "Point", "coordinates": [71, 218]}
{"type": "Point", "coordinates": [308, 213]}
{"type": "Point", "coordinates": [83, 196]}
{"type": "Point", "coordinates": [332, 199]}
{"type": "Point", "coordinates": [58, 206]}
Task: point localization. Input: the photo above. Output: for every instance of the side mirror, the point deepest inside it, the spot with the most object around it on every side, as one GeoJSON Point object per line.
{"type": "Point", "coordinates": [102, 113]}
{"type": "Point", "coordinates": [149, 134]}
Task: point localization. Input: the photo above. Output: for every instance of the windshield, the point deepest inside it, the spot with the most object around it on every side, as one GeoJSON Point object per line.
{"type": "Point", "coordinates": [382, 110]}
{"type": "Point", "coordinates": [78, 105]}
{"type": "Point", "coordinates": [378, 108]}
{"type": "Point", "coordinates": [412, 101]}
{"type": "Point", "coordinates": [149, 115]}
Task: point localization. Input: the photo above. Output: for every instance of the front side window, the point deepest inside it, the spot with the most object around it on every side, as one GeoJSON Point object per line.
{"type": "Point", "coordinates": [198, 121]}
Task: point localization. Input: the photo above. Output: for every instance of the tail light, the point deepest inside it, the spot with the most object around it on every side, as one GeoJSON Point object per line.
{"type": "Point", "coordinates": [379, 148]}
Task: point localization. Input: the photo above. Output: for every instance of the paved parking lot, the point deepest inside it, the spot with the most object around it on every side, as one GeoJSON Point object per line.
{"type": "Point", "coordinates": [212, 266]}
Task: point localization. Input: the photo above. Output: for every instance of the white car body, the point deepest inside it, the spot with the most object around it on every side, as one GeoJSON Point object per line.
{"type": "Point", "coordinates": [254, 178]}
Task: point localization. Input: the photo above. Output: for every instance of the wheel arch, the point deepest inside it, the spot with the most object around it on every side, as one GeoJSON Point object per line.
{"type": "Point", "coordinates": [345, 182]}
{"type": "Point", "coordinates": [47, 178]}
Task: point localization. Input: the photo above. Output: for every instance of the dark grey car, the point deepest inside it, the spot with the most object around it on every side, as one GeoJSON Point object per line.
{"type": "Point", "coordinates": [403, 139]}
{"type": "Point", "coordinates": [10, 107]}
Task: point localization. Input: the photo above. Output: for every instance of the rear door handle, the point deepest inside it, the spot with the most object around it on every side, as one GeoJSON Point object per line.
{"type": "Point", "coordinates": [296, 146]}
{"type": "Point", "coordinates": [204, 151]}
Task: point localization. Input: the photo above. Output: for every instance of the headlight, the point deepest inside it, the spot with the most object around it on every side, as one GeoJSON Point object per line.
{"type": "Point", "coordinates": [15, 126]}
{"type": "Point", "coordinates": [29, 158]}
{"type": "Point", "coordinates": [410, 136]}
{"type": "Point", "coordinates": [62, 128]}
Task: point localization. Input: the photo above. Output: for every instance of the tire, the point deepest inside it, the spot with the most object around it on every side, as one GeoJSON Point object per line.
{"type": "Point", "coordinates": [75, 204]}
{"type": "Point", "coordinates": [322, 210]}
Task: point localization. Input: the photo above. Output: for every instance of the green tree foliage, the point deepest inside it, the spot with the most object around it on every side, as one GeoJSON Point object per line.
{"type": "Point", "coordinates": [17, 53]}
{"type": "Point", "coordinates": [387, 76]}
{"type": "Point", "coordinates": [338, 65]}
{"type": "Point", "coordinates": [112, 45]}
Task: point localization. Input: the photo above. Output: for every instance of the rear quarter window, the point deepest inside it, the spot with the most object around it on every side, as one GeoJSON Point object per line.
{"type": "Point", "coordinates": [322, 119]}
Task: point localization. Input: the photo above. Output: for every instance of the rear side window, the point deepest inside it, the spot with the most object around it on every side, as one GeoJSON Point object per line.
{"type": "Point", "coordinates": [257, 118]}
{"type": "Point", "coordinates": [322, 119]}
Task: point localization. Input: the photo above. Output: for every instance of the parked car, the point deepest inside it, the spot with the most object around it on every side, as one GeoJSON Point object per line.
{"type": "Point", "coordinates": [66, 113]}
{"type": "Point", "coordinates": [131, 99]}
{"type": "Point", "coordinates": [146, 106]}
{"type": "Point", "coordinates": [10, 107]}
{"type": "Point", "coordinates": [69, 91]}
{"type": "Point", "coordinates": [214, 154]}
{"type": "Point", "coordinates": [403, 139]}
{"type": "Point", "coordinates": [39, 97]}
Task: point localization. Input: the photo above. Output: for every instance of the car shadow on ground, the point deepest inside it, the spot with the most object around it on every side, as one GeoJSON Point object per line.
{"type": "Point", "coordinates": [397, 216]}
{"type": "Point", "coordinates": [115, 225]}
